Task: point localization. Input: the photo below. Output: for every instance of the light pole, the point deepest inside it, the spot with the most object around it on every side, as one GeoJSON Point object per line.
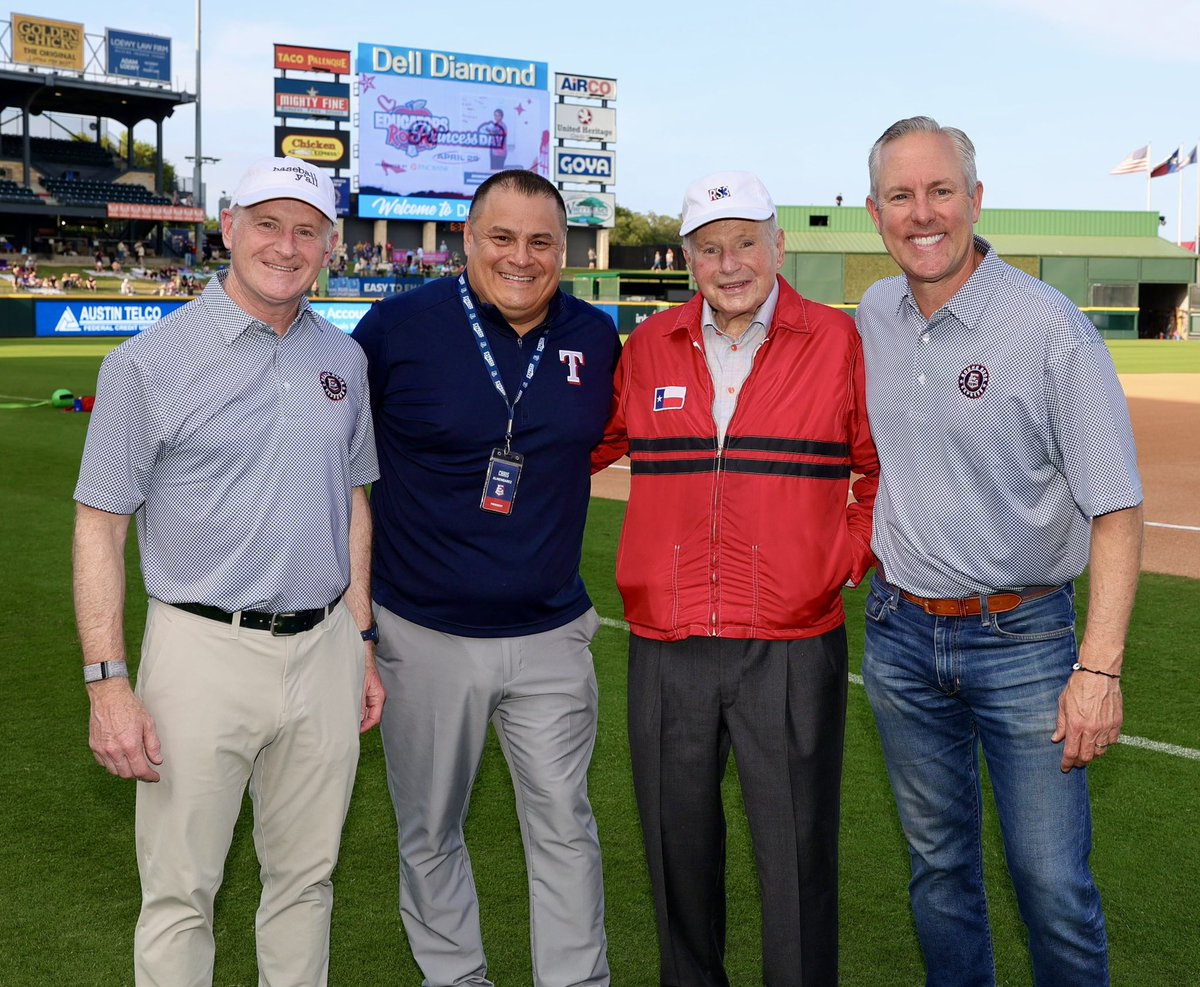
{"type": "Point", "coordinates": [199, 159]}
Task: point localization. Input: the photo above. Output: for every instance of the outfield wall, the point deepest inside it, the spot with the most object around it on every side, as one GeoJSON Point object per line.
{"type": "Point", "coordinates": [77, 316]}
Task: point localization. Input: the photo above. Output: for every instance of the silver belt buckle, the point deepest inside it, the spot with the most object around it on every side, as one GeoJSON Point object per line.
{"type": "Point", "coordinates": [276, 633]}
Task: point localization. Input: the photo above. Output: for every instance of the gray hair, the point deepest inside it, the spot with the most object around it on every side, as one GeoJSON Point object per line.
{"type": "Point", "coordinates": [771, 224]}
{"type": "Point", "coordinates": [924, 125]}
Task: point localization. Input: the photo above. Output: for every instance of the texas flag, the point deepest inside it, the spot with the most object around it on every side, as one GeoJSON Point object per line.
{"type": "Point", "coordinates": [669, 398]}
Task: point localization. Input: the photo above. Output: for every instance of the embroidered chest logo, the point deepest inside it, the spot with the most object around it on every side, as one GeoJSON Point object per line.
{"type": "Point", "coordinates": [669, 398]}
{"type": "Point", "coordinates": [574, 360]}
{"type": "Point", "coordinates": [335, 387]}
{"type": "Point", "coordinates": [973, 380]}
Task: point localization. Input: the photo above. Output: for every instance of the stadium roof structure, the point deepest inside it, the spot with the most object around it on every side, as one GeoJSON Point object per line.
{"type": "Point", "coordinates": [1013, 232]}
{"type": "Point", "coordinates": [50, 92]}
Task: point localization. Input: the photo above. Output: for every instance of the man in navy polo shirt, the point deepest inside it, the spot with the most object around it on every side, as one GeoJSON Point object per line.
{"type": "Point", "coordinates": [238, 429]}
{"type": "Point", "coordinates": [1007, 460]}
{"type": "Point", "coordinates": [489, 391]}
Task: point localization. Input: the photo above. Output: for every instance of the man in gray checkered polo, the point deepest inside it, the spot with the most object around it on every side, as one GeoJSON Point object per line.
{"type": "Point", "coordinates": [1007, 462]}
{"type": "Point", "coordinates": [238, 430]}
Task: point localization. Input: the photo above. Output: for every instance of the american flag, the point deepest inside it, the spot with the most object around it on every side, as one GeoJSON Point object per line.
{"type": "Point", "coordinates": [1134, 162]}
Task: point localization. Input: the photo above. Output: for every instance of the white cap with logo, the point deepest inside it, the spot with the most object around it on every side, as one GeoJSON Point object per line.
{"type": "Point", "coordinates": [725, 195]}
{"type": "Point", "coordinates": [287, 178]}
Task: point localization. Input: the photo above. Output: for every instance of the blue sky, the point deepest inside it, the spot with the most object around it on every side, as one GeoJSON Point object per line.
{"type": "Point", "coordinates": [1054, 93]}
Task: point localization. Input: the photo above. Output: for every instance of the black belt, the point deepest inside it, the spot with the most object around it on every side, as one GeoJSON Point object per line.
{"type": "Point", "coordinates": [279, 624]}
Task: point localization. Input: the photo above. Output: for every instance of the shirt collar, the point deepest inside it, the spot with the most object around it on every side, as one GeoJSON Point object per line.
{"type": "Point", "coordinates": [493, 317]}
{"type": "Point", "coordinates": [763, 317]}
{"type": "Point", "coordinates": [232, 320]}
{"type": "Point", "coordinates": [968, 303]}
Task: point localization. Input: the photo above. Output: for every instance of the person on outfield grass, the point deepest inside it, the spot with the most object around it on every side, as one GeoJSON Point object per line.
{"type": "Point", "coordinates": [744, 415]}
{"type": "Point", "coordinates": [1007, 459]}
{"type": "Point", "coordinates": [238, 429]}
{"type": "Point", "coordinates": [490, 390]}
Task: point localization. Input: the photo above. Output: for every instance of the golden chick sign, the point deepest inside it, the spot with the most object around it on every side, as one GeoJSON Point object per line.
{"type": "Point", "coordinates": [55, 44]}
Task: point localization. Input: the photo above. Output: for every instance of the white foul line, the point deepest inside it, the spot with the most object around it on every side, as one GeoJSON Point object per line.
{"type": "Point", "coordinates": [1150, 745]}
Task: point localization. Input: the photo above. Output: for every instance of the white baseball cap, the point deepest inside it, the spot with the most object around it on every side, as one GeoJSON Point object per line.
{"type": "Point", "coordinates": [725, 195]}
{"type": "Point", "coordinates": [287, 178]}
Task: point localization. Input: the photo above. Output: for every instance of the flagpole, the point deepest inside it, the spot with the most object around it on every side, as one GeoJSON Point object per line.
{"type": "Point", "coordinates": [1179, 213]}
{"type": "Point", "coordinates": [1149, 168]}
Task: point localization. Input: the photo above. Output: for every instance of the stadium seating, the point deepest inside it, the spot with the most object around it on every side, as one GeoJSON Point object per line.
{"type": "Point", "coordinates": [11, 191]}
{"type": "Point", "coordinates": [86, 191]}
{"type": "Point", "coordinates": [82, 153]}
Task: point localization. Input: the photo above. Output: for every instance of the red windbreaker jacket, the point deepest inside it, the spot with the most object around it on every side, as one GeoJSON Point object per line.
{"type": "Point", "coordinates": [754, 539]}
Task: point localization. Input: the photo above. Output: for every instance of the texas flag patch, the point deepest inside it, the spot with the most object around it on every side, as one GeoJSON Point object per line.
{"type": "Point", "coordinates": [669, 398]}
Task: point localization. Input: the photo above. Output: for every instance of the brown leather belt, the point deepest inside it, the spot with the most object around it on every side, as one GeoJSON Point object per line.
{"type": "Point", "coordinates": [972, 606]}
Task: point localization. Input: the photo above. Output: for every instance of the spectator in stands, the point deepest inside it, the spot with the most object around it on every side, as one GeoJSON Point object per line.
{"type": "Point", "coordinates": [139, 248]}
{"type": "Point", "coordinates": [122, 251]}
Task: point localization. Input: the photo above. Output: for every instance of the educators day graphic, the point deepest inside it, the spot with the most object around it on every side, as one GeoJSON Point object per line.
{"type": "Point", "coordinates": [433, 125]}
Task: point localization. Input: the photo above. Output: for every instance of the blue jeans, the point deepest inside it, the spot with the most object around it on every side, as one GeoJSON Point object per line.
{"type": "Point", "coordinates": [940, 688]}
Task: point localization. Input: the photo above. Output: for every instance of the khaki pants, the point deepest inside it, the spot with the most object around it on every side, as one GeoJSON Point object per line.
{"type": "Point", "coordinates": [235, 706]}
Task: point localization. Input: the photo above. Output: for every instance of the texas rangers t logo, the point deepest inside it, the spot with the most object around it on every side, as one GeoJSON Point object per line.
{"type": "Point", "coordinates": [574, 360]}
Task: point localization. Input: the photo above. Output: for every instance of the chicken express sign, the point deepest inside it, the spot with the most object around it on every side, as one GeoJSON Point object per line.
{"type": "Point", "coordinates": [324, 148]}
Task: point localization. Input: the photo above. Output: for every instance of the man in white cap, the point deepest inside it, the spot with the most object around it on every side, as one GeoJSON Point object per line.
{"type": "Point", "coordinates": [238, 430]}
{"type": "Point", "coordinates": [744, 416]}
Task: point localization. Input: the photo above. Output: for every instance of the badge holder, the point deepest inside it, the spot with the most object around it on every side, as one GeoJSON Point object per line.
{"type": "Point", "coordinates": [504, 472]}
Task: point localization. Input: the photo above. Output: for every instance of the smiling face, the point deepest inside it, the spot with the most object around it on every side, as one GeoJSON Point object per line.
{"type": "Point", "coordinates": [925, 213]}
{"type": "Point", "coordinates": [734, 262]}
{"type": "Point", "coordinates": [276, 249]}
{"type": "Point", "coordinates": [515, 245]}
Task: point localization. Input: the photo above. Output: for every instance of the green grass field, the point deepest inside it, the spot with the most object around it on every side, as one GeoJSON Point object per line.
{"type": "Point", "coordinates": [69, 877]}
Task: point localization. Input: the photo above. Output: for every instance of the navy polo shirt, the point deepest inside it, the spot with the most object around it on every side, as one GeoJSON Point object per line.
{"type": "Point", "coordinates": [439, 560]}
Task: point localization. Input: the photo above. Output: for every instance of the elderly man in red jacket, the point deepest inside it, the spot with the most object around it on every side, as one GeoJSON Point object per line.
{"type": "Point", "coordinates": [744, 417]}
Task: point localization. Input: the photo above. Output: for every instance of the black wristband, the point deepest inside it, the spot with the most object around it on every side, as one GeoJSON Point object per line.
{"type": "Point", "coordinates": [1080, 668]}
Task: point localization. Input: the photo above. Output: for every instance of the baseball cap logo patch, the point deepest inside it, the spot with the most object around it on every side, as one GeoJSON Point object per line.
{"type": "Point", "coordinates": [720, 192]}
{"type": "Point", "coordinates": [973, 380]}
{"type": "Point", "coordinates": [335, 387]}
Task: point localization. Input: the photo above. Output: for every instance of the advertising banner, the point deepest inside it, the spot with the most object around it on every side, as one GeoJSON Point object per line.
{"type": "Point", "coordinates": [580, 122]}
{"type": "Point", "coordinates": [341, 189]}
{"type": "Point", "coordinates": [344, 315]}
{"type": "Point", "coordinates": [312, 59]}
{"type": "Point", "coordinates": [594, 209]}
{"type": "Point", "coordinates": [573, 164]}
{"type": "Point", "coordinates": [371, 287]}
{"type": "Point", "coordinates": [433, 125]}
{"type": "Point", "coordinates": [138, 56]}
{"type": "Point", "coordinates": [324, 148]}
{"type": "Point", "coordinates": [100, 318]}
{"type": "Point", "coordinates": [585, 86]}
{"type": "Point", "coordinates": [173, 214]}
{"type": "Point", "coordinates": [55, 44]}
{"type": "Point", "coordinates": [307, 98]}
